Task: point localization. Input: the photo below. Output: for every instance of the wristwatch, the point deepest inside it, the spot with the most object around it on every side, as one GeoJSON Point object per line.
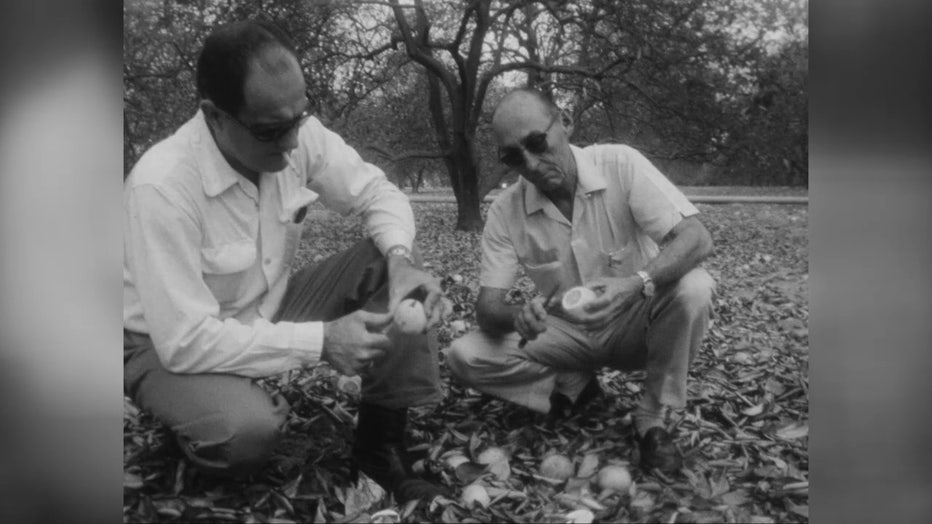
{"type": "Point", "coordinates": [401, 251]}
{"type": "Point", "coordinates": [648, 290]}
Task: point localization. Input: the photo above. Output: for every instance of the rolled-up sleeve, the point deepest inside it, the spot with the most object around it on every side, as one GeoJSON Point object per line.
{"type": "Point", "coordinates": [656, 204]}
{"type": "Point", "coordinates": [350, 185]}
{"type": "Point", "coordinates": [499, 259]}
{"type": "Point", "coordinates": [162, 240]}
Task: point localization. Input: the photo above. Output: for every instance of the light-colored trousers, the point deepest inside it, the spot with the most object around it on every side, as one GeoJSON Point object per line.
{"type": "Point", "coordinates": [227, 424]}
{"type": "Point", "coordinates": [660, 335]}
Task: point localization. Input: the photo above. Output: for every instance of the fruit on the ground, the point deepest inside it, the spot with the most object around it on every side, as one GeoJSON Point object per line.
{"type": "Point", "coordinates": [556, 467]}
{"type": "Point", "coordinates": [491, 455]}
{"type": "Point", "coordinates": [497, 462]}
{"type": "Point", "coordinates": [476, 494]}
{"type": "Point", "coordinates": [614, 478]}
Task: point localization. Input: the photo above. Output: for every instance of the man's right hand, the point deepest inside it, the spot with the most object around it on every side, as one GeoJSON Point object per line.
{"type": "Point", "coordinates": [531, 320]}
{"type": "Point", "coordinates": [353, 342]}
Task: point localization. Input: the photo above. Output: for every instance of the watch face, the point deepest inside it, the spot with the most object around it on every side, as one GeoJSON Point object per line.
{"type": "Point", "coordinates": [402, 251]}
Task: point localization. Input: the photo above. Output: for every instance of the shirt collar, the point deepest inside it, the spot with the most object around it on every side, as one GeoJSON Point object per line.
{"type": "Point", "coordinates": [217, 175]}
{"type": "Point", "coordinates": [588, 180]}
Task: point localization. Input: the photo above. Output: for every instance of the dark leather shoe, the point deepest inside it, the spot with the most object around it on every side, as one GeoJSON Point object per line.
{"type": "Point", "coordinates": [590, 393]}
{"type": "Point", "coordinates": [659, 451]}
{"type": "Point", "coordinates": [561, 406]}
{"type": "Point", "coordinates": [380, 453]}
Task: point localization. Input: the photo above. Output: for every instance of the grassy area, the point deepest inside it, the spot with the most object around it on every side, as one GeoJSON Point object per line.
{"type": "Point", "coordinates": [744, 432]}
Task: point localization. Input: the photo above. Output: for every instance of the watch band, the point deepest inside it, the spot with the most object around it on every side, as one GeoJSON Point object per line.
{"type": "Point", "coordinates": [401, 251]}
{"type": "Point", "coordinates": [648, 290]}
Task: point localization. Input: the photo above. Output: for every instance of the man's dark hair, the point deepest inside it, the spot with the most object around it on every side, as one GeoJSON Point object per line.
{"type": "Point", "coordinates": [224, 60]}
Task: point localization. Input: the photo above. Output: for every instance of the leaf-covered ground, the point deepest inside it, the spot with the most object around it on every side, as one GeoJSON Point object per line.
{"type": "Point", "coordinates": [744, 432]}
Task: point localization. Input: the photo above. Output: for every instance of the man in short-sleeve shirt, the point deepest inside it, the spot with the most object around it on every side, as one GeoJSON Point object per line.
{"type": "Point", "coordinates": [213, 218]}
{"type": "Point", "coordinates": [605, 218]}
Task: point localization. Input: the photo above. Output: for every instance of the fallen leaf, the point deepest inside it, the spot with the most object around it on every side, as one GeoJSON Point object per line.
{"type": "Point", "coordinates": [793, 431]}
{"type": "Point", "coordinates": [359, 498]}
{"type": "Point", "coordinates": [386, 516]}
{"type": "Point", "coordinates": [501, 493]}
{"type": "Point", "coordinates": [718, 486]}
{"type": "Point", "coordinates": [589, 466]}
{"type": "Point", "coordinates": [580, 516]}
{"type": "Point", "coordinates": [735, 498]}
{"type": "Point", "coordinates": [801, 510]}
{"type": "Point", "coordinates": [132, 481]}
{"type": "Point", "coordinates": [469, 471]}
{"type": "Point", "coordinates": [643, 501]}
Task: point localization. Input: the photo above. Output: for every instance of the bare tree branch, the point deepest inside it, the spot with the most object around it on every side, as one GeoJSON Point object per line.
{"type": "Point", "coordinates": [393, 4]}
{"type": "Point", "coordinates": [464, 22]}
{"type": "Point", "coordinates": [391, 44]}
{"type": "Point", "coordinates": [475, 54]}
{"type": "Point", "coordinates": [171, 73]}
{"type": "Point", "coordinates": [415, 51]}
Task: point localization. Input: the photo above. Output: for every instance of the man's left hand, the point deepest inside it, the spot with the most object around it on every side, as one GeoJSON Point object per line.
{"type": "Point", "coordinates": [406, 280]}
{"type": "Point", "coordinates": [613, 297]}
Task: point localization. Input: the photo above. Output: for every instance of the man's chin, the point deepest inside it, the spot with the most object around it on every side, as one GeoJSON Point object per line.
{"type": "Point", "coordinates": [550, 181]}
{"type": "Point", "coordinates": [274, 163]}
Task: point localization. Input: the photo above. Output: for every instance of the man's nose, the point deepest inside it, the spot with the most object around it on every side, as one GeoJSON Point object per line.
{"type": "Point", "coordinates": [531, 161]}
{"type": "Point", "coordinates": [290, 140]}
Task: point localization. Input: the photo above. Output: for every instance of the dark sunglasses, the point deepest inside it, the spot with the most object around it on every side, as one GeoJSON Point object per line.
{"type": "Point", "coordinates": [274, 132]}
{"type": "Point", "coordinates": [535, 143]}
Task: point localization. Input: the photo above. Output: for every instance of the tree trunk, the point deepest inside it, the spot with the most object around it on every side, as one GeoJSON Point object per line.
{"type": "Point", "coordinates": [464, 176]}
{"type": "Point", "coordinates": [460, 162]}
{"type": "Point", "coordinates": [468, 217]}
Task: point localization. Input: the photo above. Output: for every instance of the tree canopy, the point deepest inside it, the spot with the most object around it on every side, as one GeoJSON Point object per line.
{"type": "Point", "coordinates": [712, 91]}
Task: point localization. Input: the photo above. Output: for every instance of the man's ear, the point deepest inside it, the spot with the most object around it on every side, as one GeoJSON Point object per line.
{"type": "Point", "coordinates": [211, 112]}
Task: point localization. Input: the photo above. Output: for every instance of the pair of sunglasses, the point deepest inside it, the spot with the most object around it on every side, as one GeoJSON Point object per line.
{"type": "Point", "coordinates": [535, 143]}
{"type": "Point", "coordinates": [275, 132]}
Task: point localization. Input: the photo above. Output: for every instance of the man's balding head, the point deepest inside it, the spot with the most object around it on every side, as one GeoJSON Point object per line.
{"type": "Point", "coordinates": [533, 139]}
{"type": "Point", "coordinates": [522, 99]}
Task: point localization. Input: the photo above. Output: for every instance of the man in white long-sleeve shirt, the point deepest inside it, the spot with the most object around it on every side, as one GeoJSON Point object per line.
{"type": "Point", "coordinates": [213, 217]}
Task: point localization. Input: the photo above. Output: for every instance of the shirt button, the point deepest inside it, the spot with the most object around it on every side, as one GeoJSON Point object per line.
{"type": "Point", "coordinates": [268, 261]}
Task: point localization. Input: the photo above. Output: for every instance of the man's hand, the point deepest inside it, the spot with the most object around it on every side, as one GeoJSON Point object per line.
{"type": "Point", "coordinates": [613, 297]}
{"type": "Point", "coordinates": [531, 320]}
{"type": "Point", "coordinates": [353, 342]}
{"type": "Point", "coordinates": [405, 280]}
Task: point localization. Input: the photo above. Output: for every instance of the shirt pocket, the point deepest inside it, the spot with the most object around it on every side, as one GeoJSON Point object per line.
{"type": "Point", "coordinates": [224, 268]}
{"type": "Point", "coordinates": [546, 275]}
{"type": "Point", "coordinates": [618, 262]}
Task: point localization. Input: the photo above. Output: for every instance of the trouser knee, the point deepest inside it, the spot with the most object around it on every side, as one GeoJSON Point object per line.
{"type": "Point", "coordinates": [694, 291]}
{"type": "Point", "coordinates": [460, 359]}
{"type": "Point", "coordinates": [233, 444]}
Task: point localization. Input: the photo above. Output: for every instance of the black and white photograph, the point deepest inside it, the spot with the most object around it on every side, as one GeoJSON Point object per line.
{"type": "Point", "coordinates": [465, 261]}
